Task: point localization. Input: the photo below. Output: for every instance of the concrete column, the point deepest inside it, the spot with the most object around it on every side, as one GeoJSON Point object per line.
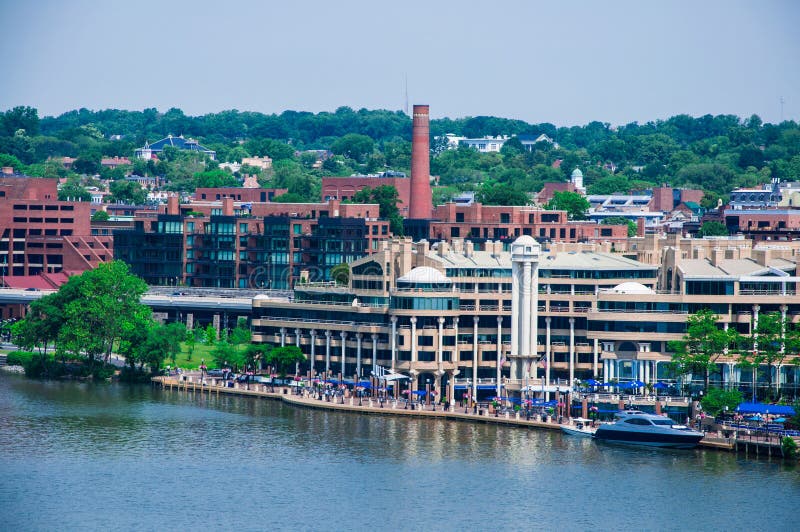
{"type": "Point", "coordinates": [327, 353]}
{"type": "Point", "coordinates": [439, 354]}
{"type": "Point", "coordinates": [456, 352]}
{"type": "Point", "coordinates": [358, 354]}
{"type": "Point", "coordinates": [525, 304]}
{"type": "Point", "coordinates": [297, 342]}
{"type": "Point", "coordinates": [394, 341]}
{"type": "Point", "coordinates": [548, 359]}
{"type": "Point", "coordinates": [571, 352]}
{"type": "Point", "coordinates": [413, 341]}
{"type": "Point", "coordinates": [313, 346]}
{"type": "Point", "coordinates": [725, 328]}
{"type": "Point", "coordinates": [374, 339]}
{"type": "Point", "coordinates": [499, 356]}
{"type": "Point", "coordinates": [343, 335]}
{"type": "Point", "coordinates": [474, 357]}
{"type": "Point", "coordinates": [596, 356]}
{"type": "Point", "coordinates": [283, 336]}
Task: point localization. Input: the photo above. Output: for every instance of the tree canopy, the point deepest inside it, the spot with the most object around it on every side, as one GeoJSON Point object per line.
{"type": "Point", "coordinates": [715, 153]}
{"type": "Point", "coordinates": [575, 204]}
{"type": "Point", "coordinates": [90, 315]}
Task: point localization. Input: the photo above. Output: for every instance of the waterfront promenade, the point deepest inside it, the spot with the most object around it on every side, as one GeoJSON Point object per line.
{"type": "Point", "coordinates": [390, 407]}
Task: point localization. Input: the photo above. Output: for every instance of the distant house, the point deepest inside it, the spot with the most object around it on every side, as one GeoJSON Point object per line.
{"type": "Point", "coordinates": [113, 162]}
{"type": "Point", "coordinates": [151, 151]}
{"type": "Point", "coordinates": [530, 141]}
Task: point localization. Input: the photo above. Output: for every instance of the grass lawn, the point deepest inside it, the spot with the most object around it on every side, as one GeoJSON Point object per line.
{"type": "Point", "coordinates": [201, 351]}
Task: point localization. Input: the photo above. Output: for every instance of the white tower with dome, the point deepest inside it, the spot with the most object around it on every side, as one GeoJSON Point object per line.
{"type": "Point", "coordinates": [525, 252]}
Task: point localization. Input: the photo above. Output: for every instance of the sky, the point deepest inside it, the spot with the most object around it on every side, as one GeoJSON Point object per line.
{"type": "Point", "coordinates": [566, 62]}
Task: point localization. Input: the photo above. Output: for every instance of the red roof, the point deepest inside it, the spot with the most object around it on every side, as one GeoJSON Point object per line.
{"type": "Point", "coordinates": [44, 281]}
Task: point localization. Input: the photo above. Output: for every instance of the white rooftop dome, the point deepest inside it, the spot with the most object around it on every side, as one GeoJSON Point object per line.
{"type": "Point", "coordinates": [632, 288]}
{"type": "Point", "coordinates": [577, 173]}
{"type": "Point", "coordinates": [525, 240]}
{"type": "Point", "coordinates": [424, 274]}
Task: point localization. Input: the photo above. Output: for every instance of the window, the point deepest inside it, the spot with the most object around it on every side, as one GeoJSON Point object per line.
{"type": "Point", "coordinates": [242, 228]}
{"type": "Point", "coordinates": [637, 421]}
{"type": "Point", "coordinates": [459, 217]}
{"type": "Point", "coordinates": [297, 229]}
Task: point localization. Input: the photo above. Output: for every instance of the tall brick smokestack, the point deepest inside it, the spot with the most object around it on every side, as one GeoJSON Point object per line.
{"type": "Point", "coordinates": [421, 206]}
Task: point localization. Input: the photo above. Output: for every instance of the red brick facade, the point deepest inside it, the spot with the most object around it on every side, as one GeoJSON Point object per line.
{"type": "Point", "coordinates": [342, 188]}
{"type": "Point", "coordinates": [484, 222]}
{"type": "Point", "coordinates": [39, 233]}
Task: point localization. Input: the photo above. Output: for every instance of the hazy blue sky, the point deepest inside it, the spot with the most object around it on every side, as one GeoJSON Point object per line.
{"type": "Point", "coordinates": [565, 62]}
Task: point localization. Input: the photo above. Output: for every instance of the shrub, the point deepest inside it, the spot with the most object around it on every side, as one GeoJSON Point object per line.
{"type": "Point", "coordinates": [19, 358]}
{"type": "Point", "coordinates": [717, 399]}
{"type": "Point", "coordinates": [789, 447]}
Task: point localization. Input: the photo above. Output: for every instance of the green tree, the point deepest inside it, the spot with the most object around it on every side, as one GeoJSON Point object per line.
{"type": "Point", "coordinates": [191, 340]}
{"type": "Point", "coordinates": [100, 216]}
{"type": "Point", "coordinates": [702, 345]}
{"type": "Point", "coordinates": [128, 192]}
{"type": "Point", "coordinates": [621, 220]}
{"type": "Point", "coordinates": [575, 204]}
{"type": "Point", "coordinates": [20, 118]}
{"type": "Point", "coordinates": [210, 335]}
{"type": "Point", "coordinates": [501, 194]}
{"type": "Point", "coordinates": [72, 190]}
{"type": "Point", "coordinates": [240, 336]}
{"type": "Point", "coordinates": [289, 197]}
{"type": "Point", "coordinates": [774, 338]}
{"type": "Point", "coordinates": [88, 162]}
{"type": "Point", "coordinates": [712, 228]}
{"type": "Point", "coordinates": [387, 198]}
{"type": "Point", "coordinates": [255, 354]}
{"type": "Point", "coordinates": [215, 178]}
{"type": "Point", "coordinates": [341, 273]}
{"type": "Point", "coordinates": [100, 308]}
{"type": "Point", "coordinates": [353, 146]}
{"type": "Point", "coordinates": [715, 400]}
{"type": "Point", "coordinates": [283, 358]}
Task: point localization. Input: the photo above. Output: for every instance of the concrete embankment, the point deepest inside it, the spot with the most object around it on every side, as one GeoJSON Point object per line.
{"type": "Point", "coordinates": [371, 406]}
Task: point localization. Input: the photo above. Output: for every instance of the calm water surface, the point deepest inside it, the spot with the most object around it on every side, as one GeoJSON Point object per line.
{"type": "Point", "coordinates": [76, 456]}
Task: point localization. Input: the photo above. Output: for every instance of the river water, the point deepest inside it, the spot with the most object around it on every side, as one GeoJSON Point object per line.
{"type": "Point", "coordinates": [79, 456]}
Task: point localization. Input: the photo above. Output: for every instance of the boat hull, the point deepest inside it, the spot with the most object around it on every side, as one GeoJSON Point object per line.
{"type": "Point", "coordinates": [574, 431]}
{"type": "Point", "coordinates": [651, 439]}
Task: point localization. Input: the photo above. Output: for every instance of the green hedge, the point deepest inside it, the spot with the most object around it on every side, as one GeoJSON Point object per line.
{"type": "Point", "coordinates": [19, 358]}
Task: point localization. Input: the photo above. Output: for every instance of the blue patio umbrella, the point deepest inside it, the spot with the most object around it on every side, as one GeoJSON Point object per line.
{"type": "Point", "coordinates": [419, 392]}
{"type": "Point", "coordinates": [661, 385]}
{"type": "Point", "coordinates": [592, 382]}
{"type": "Point", "coordinates": [638, 383]}
{"type": "Point", "coordinates": [780, 420]}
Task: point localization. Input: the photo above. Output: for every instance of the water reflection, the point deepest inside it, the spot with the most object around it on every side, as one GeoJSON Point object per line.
{"type": "Point", "coordinates": [69, 448]}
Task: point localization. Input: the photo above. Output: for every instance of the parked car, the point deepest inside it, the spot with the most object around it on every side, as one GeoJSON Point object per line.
{"type": "Point", "coordinates": [215, 373]}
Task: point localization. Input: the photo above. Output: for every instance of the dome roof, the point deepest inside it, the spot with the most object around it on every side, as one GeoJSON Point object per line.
{"type": "Point", "coordinates": [632, 288]}
{"type": "Point", "coordinates": [577, 173]}
{"type": "Point", "coordinates": [424, 274]}
{"type": "Point", "coordinates": [525, 240]}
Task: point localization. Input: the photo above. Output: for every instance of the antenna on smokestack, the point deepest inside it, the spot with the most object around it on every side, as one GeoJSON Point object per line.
{"type": "Point", "coordinates": [406, 108]}
{"type": "Point", "coordinates": [782, 101]}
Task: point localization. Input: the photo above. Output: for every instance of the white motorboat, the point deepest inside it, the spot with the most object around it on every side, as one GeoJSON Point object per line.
{"type": "Point", "coordinates": [582, 428]}
{"type": "Point", "coordinates": [640, 428]}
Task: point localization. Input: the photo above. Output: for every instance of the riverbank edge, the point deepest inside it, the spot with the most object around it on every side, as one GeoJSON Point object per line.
{"type": "Point", "coordinates": [284, 394]}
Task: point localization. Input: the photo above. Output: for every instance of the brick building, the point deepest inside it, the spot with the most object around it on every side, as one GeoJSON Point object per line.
{"type": "Point", "coordinates": [480, 223]}
{"type": "Point", "coordinates": [231, 244]}
{"type": "Point", "coordinates": [343, 188]}
{"type": "Point", "coordinates": [40, 234]}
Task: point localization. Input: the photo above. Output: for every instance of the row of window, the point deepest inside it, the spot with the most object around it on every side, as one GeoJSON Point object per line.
{"type": "Point", "coordinates": [18, 207]}
{"type": "Point", "coordinates": [33, 220]}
